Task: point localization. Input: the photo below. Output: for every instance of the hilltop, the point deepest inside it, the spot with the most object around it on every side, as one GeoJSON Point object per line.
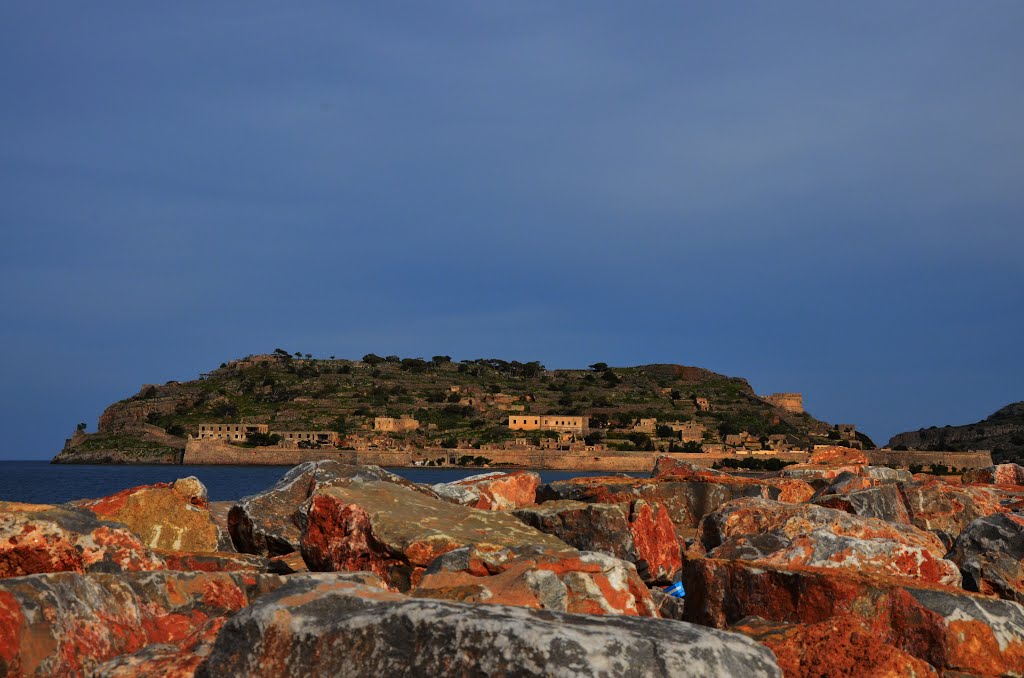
{"type": "Point", "coordinates": [1002, 432]}
{"type": "Point", "coordinates": [457, 404]}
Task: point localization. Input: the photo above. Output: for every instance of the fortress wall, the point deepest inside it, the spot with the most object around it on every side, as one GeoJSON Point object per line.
{"type": "Point", "coordinates": [972, 459]}
{"type": "Point", "coordinates": [211, 451]}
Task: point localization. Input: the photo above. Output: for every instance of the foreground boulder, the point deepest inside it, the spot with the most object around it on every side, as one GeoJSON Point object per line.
{"type": "Point", "coordinates": [322, 628]}
{"type": "Point", "coordinates": [396, 532]}
{"type": "Point", "coordinates": [68, 623]}
{"type": "Point", "coordinates": [165, 515]}
{"type": "Point", "coordinates": [544, 579]}
{"type": "Point", "coordinates": [950, 629]}
{"type": "Point", "coordinates": [38, 538]}
{"type": "Point", "coordinates": [943, 507]}
{"type": "Point", "coordinates": [840, 646]}
{"type": "Point", "coordinates": [1000, 474]}
{"type": "Point", "coordinates": [637, 532]}
{"type": "Point", "coordinates": [806, 535]}
{"type": "Point", "coordinates": [213, 561]}
{"type": "Point", "coordinates": [492, 491]}
{"type": "Point", "coordinates": [990, 553]}
{"type": "Point", "coordinates": [271, 523]}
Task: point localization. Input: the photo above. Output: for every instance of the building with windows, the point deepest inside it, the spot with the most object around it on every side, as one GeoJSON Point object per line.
{"type": "Point", "coordinates": [564, 423]}
{"type": "Point", "coordinates": [232, 432]}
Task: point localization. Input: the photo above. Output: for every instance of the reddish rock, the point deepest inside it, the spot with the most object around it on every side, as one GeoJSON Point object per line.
{"type": "Point", "coordinates": [950, 629]}
{"type": "Point", "coordinates": [840, 646]}
{"type": "Point", "coordinates": [935, 504]}
{"type": "Point", "coordinates": [164, 515]}
{"type": "Point", "coordinates": [566, 581]}
{"type": "Point", "coordinates": [812, 536]}
{"type": "Point", "coordinates": [69, 624]}
{"type": "Point", "coordinates": [271, 523]}
{"type": "Point", "coordinates": [1000, 474]}
{"type": "Point", "coordinates": [748, 517]}
{"type": "Point", "coordinates": [990, 553]}
{"type": "Point", "coordinates": [492, 491]}
{"type": "Point", "coordinates": [212, 561]}
{"type": "Point", "coordinates": [290, 563]}
{"type": "Point", "coordinates": [838, 456]}
{"type": "Point", "coordinates": [684, 470]}
{"type": "Point", "coordinates": [396, 532]}
{"type": "Point", "coordinates": [40, 538]}
{"type": "Point", "coordinates": [686, 501]}
{"type": "Point", "coordinates": [639, 533]}
{"type": "Point", "coordinates": [165, 661]}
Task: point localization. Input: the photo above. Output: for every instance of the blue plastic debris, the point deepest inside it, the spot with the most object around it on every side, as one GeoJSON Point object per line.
{"type": "Point", "coordinates": [676, 590]}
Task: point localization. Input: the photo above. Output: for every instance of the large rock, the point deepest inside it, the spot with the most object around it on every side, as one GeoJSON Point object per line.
{"type": "Point", "coordinates": [1000, 474]}
{"type": "Point", "coordinates": [637, 532]}
{"type": "Point", "coordinates": [165, 515]}
{"type": "Point", "coordinates": [492, 491]}
{"type": "Point", "coordinates": [582, 582]}
{"type": "Point", "coordinates": [37, 538]}
{"type": "Point", "coordinates": [396, 532]}
{"type": "Point", "coordinates": [936, 505]}
{"type": "Point", "coordinates": [950, 629]}
{"type": "Point", "coordinates": [271, 522]}
{"type": "Point", "coordinates": [213, 561]}
{"type": "Point", "coordinates": [324, 628]}
{"type": "Point", "coordinates": [990, 553]}
{"type": "Point", "coordinates": [840, 646]}
{"type": "Point", "coordinates": [165, 660]}
{"type": "Point", "coordinates": [884, 502]}
{"type": "Point", "coordinates": [748, 517]}
{"type": "Point", "coordinates": [68, 623]}
{"type": "Point", "coordinates": [687, 501]}
{"type": "Point", "coordinates": [807, 535]}
{"type": "Point", "coordinates": [672, 469]}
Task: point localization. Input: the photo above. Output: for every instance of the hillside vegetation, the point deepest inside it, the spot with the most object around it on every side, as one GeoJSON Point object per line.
{"type": "Point", "coordinates": [462, 404]}
{"type": "Point", "coordinates": [1002, 432]}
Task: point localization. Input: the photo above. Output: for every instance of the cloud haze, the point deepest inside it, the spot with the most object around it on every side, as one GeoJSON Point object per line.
{"type": "Point", "coordinates": [817, 198]}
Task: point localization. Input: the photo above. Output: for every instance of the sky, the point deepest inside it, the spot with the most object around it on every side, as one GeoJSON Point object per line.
{"type": "Point", "coordinates": [818, 197]}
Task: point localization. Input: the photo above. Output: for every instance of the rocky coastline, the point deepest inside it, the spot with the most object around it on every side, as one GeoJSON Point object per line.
{"type": "Point", "coordinates": [833, 567]}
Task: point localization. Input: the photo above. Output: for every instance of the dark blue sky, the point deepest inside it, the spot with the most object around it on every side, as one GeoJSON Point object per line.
{"type": "Point", "coordinates": [826, 199]}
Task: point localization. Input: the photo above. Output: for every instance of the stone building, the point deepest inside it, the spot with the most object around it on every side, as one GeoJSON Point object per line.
{"type": "Point", "coordinates": [742, 440]}
{"type": "Point", "coordinates": [689, 431]}
{"type": "Point", "coordinates": [549, 422]}
{"type": "Point", "coordinates": [293, 438]}
{"type": "Point", "coordinates": [790, 402]}
{"type": "Point", "coordinates": [646, 426]}
{"type": "Point", "coordinates": [231, 432]}
{"type": "Point", "coordinates": [403, 424]}
{"type": "Point", "coordinates": [702, 404]}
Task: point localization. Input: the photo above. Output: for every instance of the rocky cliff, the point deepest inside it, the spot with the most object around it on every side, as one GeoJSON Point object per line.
{"type": "Point", "coordinates": [1002, 432]}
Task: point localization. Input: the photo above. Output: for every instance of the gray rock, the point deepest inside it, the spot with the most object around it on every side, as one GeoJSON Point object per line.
{"type": "Point", "coordinates": [884, 502]}
{"type": "Point", "coordinates": [316, 628]}
{"type": "Point", "coordinates": [271, 522]}
{"type": "Point", "coordinates": [990, 554]}
{"type": "Point", "coordinates": [587, 527]}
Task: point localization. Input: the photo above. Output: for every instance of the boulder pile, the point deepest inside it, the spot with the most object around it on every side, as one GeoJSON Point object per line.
{"type": "Point", "coordinates": [830, 568]}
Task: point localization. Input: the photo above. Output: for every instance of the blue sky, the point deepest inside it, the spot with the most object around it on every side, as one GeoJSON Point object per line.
{"type": "Point", "coordinates": [819, 197]}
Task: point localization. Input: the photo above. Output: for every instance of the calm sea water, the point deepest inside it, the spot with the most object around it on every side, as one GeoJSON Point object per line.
{"type": "Point", "coordinates": [40, 482]}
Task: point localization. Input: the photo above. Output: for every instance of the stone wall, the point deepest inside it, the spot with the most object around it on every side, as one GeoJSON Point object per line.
{"type": "Point", "coordinates": [972, 459]}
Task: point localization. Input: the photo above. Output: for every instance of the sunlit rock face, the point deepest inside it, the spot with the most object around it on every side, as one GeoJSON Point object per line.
{"type": "Point", "coordinates": [38, 538]}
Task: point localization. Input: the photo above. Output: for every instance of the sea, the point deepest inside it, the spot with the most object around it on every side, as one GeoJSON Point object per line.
{"type": "Point", "coordinates": [39, 482]}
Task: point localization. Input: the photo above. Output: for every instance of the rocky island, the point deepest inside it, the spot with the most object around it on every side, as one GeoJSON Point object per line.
{"type": "Point", "coordinates": [281, 408]}
{"type": "Point", "coordinates": [835, 567]}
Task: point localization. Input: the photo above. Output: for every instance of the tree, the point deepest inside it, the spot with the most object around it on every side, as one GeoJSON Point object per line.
{"type": "Point", "coordinates": [282, 352]}
{"type": "Point", "coordinates": [392, 359]}
{"type": "Point", "coordinates": [332, 357]}
{"type": "Point", "coordinates": [441, 359]}
{"type": "Point", "coordinates": [610, 378]}
{"type": "Point", "coordinates": [298, 354]}
{"type": "Point", "coordinates": [372, 359]}
{"type": "Point", "coordinates": [599, 367]}
{"type": "Point", "coordinates": [664, 431]}
{"type": "Point", "coordinates": [309, 355]}
{"type": "Point", "coordinates": [81, 426]}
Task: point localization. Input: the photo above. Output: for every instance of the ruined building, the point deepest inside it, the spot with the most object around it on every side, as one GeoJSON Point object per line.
{"type": "Point", "coordinates": [549, 422]}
